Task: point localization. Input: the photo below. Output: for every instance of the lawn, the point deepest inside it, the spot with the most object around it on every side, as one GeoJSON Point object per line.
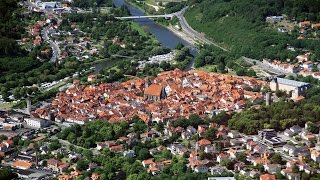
{"type": "Point", "coordinates": [208, 68]}
{"type": "Point", "coordinates": [7, 105]}
{"type": "Point", "coordinates": [138, 28]}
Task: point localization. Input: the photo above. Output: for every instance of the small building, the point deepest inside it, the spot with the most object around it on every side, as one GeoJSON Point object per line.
{"type": "Point", "coordinates": [267, 177]}
{"type": "Point", "coordinates": [304, 24]}
{"type": "Point", "coordinates": [272, 168]}
{"type": "Point", "coordinates": [92, 77]}
{"type": "Point", "coordinates": [274, 19]}
{"type": "Point", "coordinates": [129, 153]}
{"type": "Point", "coordinates": [22, 164]}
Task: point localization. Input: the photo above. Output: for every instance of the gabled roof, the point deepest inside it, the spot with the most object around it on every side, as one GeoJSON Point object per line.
{"type": "Point", "coordinates": [153, 90]}
{"type": "Point", "coordinates": [268, 177]}
{"type": "Point", "coordinates": [204, 142]}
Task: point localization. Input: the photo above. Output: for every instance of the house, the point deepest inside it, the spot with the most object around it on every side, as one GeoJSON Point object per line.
{"type": "Point", "coordinates": [307, 65]}
{"type": "Point", "coordinates": [177, 149]}
{"type": "Point", "coordinates": [64, 177]}
{"type": "Point", "coordinates": [260, 161]}
{"type": "Point", "coordinates": [203, 143]}
{"type": "Point", "coordinates": [106, 144]}
{"type": "Point", "coordinates": [267, 177]}
{"type": "Point", "coordinates": [304, 24]}
{"type": "Point", "coordinates": [201, 169]}
{"type": "Point", "coordinates": [186, 135]}
{"type": "Point", "coordinates": [222, 157]}
{"type": "Point", "coordinates": [288, 133]}
{"type": "Point", "coordinates": [274, 19]}
{"type": "Point", "coordinates": [147, 163]}
{"type": "Point", "coordinates": [296, 129]}
{"type": "Point", "coordinates": [233, 134]}
{"type": "Point", "coordinates": [294, 152]}
{"type": "Point", "coordinates": [191, 129]}
{"type": "Point", "coordinates": [92, 77]}
{"type": "Point", "coordinates": [56, 165]}
{"type": "Point", "coordinates": [210, 149]}
{"type": "Point", "coordinates": [154, 92]}
{"type": "Point", "coordinates": [308, 136]}
{"type": "Point", "coordinates": [287, 148]}
{"type": "Point", "coordinates": [286, 171]}
{"type": "Point", "coordinates": [129, 153]}
{"type": "Point", "coordinates": [21, 164]}
{"type": "Point", "coordinates": [117, 148]}
{"type": "Point", "coordinates": [232, 153]}
{"type": "Point", "coordinates": [92, 166]}
{"type": "Point", "coordinates": [315, 155]}
{"type": "Point", "coordinates": [293, 176]}
{"type": "Point", "coordinates": [250, 145]}
{"type": "Point", "coordinates": [3, 147]}
{"type": "Point", "coordinates": [95, 176]}
{"type": "Point", "coordinates": [202, 129]}
{"type": "Point", "coordinates": [315, 26]}
{"type": "Point", "coordinates": [272, 168]}
{"type": "Point", "coordinates": [75, 173]}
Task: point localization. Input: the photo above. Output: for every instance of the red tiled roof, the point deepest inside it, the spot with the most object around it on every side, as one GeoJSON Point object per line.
{"type": "Point", "coordinates": [268, 177]}
{"type": "Point", "coordinates": [204, 142]}
{"type": "Point", "coordinates": [153, 90]}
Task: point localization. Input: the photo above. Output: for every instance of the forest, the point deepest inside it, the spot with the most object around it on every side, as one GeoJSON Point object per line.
{"type": "Point", "coordinates": [239, 26]}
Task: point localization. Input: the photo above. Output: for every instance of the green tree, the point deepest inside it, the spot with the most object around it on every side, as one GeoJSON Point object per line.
{"type": "Point", "coordinates": [143, 154]}
{"type": "Point", "coordinates": [241, 157]}
{"type": "Point", "coordinates": [276, 159]}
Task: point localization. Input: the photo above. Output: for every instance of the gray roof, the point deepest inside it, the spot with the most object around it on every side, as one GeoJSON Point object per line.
{"type": "Point", "coordinates": [291, 82]}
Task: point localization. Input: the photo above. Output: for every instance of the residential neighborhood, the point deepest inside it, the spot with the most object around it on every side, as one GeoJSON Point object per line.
{"type": "Point", "coordinates": [109, 90]}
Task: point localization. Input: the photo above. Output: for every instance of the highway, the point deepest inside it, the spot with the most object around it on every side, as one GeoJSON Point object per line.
{"type": "Point", "coordinates": [188, 30]}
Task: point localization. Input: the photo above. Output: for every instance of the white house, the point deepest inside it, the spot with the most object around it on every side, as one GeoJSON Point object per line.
{"type": "Point", "coordinates": [272, 168]}
{"type": "Point", "coordinates": [37, 122]}
{"type": "Point", "coordinates": [129, 153]}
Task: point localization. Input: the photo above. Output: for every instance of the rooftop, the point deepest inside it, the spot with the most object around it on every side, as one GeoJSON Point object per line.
{"type": "Point", "coordinates": [291, 82]}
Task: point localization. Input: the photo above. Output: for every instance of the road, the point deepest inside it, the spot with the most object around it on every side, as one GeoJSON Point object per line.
{"type": "Point", "coordinates": [54, 46]}
{"type": "Point", "coordinates": [188, 30]}
{"type": "Point", "coordinates": [67, 143]}
{"type": "Point", "coordinates": [266, 67]}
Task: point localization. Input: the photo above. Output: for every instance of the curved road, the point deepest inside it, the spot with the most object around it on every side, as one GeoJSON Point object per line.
{"type": "Point", "coordinates": [188, 30]}
{"type": "Point", "coordinates": [54, 46]}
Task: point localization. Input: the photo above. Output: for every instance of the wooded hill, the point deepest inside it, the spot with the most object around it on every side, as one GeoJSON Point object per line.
{"type": "Point", "coordinates": [239, 25]}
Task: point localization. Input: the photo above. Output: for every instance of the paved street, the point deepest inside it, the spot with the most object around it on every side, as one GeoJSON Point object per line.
{"type": "Point", "coordinates": [187, 29]}
{"type": "Point", "coordinates": [266, 67]}
{"type": "Point", "coordinates": [54, 46]}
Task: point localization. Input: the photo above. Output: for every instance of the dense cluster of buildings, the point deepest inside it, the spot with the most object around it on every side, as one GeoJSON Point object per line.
{"type": "Point", "coordinates": [168, 96]}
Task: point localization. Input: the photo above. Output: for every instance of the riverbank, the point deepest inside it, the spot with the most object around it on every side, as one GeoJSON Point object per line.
{"type": "Point", "coordinates": [171, 28]}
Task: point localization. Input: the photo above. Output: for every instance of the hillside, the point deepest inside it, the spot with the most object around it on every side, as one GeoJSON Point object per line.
{"type": "Point", "coordinates": [239, 25]}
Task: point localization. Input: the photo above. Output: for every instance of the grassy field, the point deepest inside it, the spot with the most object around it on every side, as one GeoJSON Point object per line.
{"type": "Point", "coordinates": [207, 68]}
{"type": "Point", "coordinates": [138, 28]}
{"type": "Point", "coordinates": [7, 105]}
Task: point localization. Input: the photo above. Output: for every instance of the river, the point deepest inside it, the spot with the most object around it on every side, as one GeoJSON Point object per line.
{"type": "Point", "coordinates": [166, 37]}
